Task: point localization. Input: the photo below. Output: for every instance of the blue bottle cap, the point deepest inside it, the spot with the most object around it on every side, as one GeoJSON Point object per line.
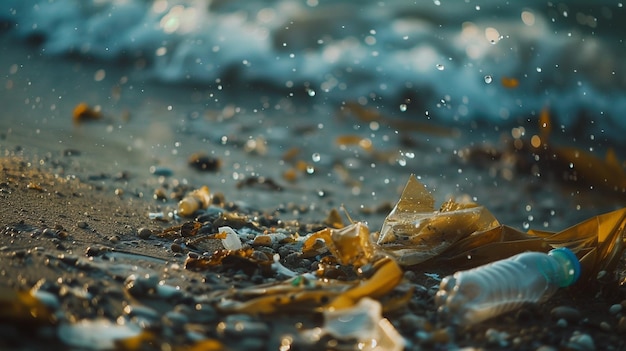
{"type": "Point", "coordinates": [571, 265]}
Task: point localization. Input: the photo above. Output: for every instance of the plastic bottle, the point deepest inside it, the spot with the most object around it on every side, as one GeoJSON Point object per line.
{"type": "Point", "coordinates": [472, 296]}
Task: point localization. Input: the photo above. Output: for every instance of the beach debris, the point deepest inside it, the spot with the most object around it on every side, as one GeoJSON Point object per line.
{"type": "Point", "coordinates": [539, 154]}
{"type": "Point", "coordinates": [231, 240]}
{"type": "Point", "coordinates": [195, 200]}
{"type": "Point", "coordinates": [469, 297]}
{"type": "Point", "coordinates": [364, 143]}
{"type": "Point", "coordinates": [362, 322]}
{"type": "Point", "coordinates": [204, 163]}
{"type": "Point", "coordinates": [414, 232]}
{"type": "Point", "coordinates": [351, 245]}
{"type": "Point", "coordinates": [246, 259]}
{"type": "Point", "coordinates": [259, 182]}
{"type": "Point", "coordinates": [370, 115]}
{"type": "Point", "coordinates": [467, 235]}
{"type": "Point", "coordinates": [302, 294]}
{"type": "Point", "coordinates": [509, 82]}
{"type": "Point", "coordinates": [83, 113]}
{"type": "Point", "coordinates": [184, 230]}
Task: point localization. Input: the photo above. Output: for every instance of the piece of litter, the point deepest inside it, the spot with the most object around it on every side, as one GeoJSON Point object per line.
{"type": "Point", "coordinates": [232, 241]}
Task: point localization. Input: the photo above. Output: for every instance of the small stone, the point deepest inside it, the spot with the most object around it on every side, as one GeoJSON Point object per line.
{"type": "Point", "coordinates": [175, 320]}
{"type": "Point", "coordinates": [140, 286]}
{"type": "Point", "coordinates": [161, 171]}
{"type": "Point", "coordinates": [565, 312]}
{"type": "Point", "coordinates": [144, 233]}
{"type": "Point", "coordinates": [82, 225]}
{"type": "Point", "coordinates": [605, 326]}
{"type": "Point", "coordinates": [581, 342]}
{"type": "Point", "coordinates": [176, 248]}
{"type": "Point", "coordinates": [561, 323]}
{"type": "Point", "coordinates": [239, 325]}
{"type": "Point", "coordinates": [615, 309]}
{"type": "Point", "coordinates": [495, 337]}
{"type": "Point", "coordinates": [262, 240]}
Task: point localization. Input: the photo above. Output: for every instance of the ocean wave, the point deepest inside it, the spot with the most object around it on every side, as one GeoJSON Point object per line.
{"type": "Point", "coordinates": [453, 62]}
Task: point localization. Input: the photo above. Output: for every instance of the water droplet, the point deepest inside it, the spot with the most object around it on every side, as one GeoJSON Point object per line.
{"type": "Point", "coordinates": [488, 79]}
{"type": "Point", "coordinates": [403, 107]}
{"type": "Point", "coordinates": [525, 225]}
{"type": "Point", "coordinates": [311, 92]}
{"type": "Point", "coordinates": [316, 157]}
{"type": "Point", "coordinates": [440, 67]}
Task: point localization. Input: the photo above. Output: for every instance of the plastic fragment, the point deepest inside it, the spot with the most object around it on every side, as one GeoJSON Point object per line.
{"type": "Point", "coordinates": [196, 200]}
{"type": "Point", "coordinates": [384, 280]}
{"type": "Point", "coordinates": [362, 322]}
{"type": "Point", "coordinates": [231, 241]}
{"type": "Point", "coordinates": [83, 112]}
{"type": "Point", "coordinates": [414, 232]}
{"type": "Point", "coordinates": [351, 245]}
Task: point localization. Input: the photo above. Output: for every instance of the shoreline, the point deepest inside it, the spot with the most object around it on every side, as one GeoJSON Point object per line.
{"type": "Point", "coordinates": [82, 245]}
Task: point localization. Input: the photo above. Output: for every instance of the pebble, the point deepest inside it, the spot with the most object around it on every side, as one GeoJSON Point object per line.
{"type": "Point", "coordinates": [238, 325]}
{"type": "Point", "coordinates": [570, 314]}
{"type": "Point", "coordinates": [581, 342]}
{"type": "Point", "coordinates": [203, 313]}
{"type": "Point", "coordinates": [144, 233]}
{"type": "Point", "coordinates": [82, 225]}
{"type": "Point", "coordinates": [615, 309]}
{"type": "Point", "coordinates": [141, 286]}
{"type": "Point", "coordinates": [175, 320]}
{"type": "Point", "coordinates": [144, 316]}
{"type": "Point", "coordinates": [495, 337]}
{"type": "Point", "coordinates": [561, 323]}
{"type": "Point", "coordinates": [161, 171]}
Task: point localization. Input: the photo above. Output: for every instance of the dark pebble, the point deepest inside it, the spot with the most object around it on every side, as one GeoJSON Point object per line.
{"type": "Point", "coordinates": [203, 313]}
{"type": "Point", "coordinates": [68, 259]}
{"type": "Point", "coordinates": [570, 314]}
{"type": "Point", "coordinates": [210, 214]}
{"type": "Point", "coordinates": [176, 248]}
{"type": "Point", "coordinates": [82, 225]}
{"type": "Point", "coordinates": [141, 286]}
{"type": "Point", "coordinates": [49, 233]}
{"type": "Point", "coordinates": [238, 325]}
{"type": "Point", "coordinates": [203, 162]}
{"type": "Point", "coordinates": [143, 315]}
{"type": "Point", "coordinates": [175, 320]}
{"type": "Point", "coordinates": [161, 171]}
{"type": "Point", "coordinates": [144, 233]}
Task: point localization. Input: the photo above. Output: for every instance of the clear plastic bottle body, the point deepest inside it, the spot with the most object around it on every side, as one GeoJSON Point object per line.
{"type": "Point", "coordinates": [469, 297]}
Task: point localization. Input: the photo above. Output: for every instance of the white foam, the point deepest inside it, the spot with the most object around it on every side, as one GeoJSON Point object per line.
{"type": "Point", "coordinates": [437, 53]}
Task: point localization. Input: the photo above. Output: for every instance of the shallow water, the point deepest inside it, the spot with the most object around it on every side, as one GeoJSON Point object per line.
{"type": "Point", "coordinates": [248, 81]}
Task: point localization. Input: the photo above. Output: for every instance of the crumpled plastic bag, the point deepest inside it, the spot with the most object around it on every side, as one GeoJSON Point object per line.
{"type": "Point", "coordinates": [464, 236]}
{"type": "Point", "coordinates": [414, 231]}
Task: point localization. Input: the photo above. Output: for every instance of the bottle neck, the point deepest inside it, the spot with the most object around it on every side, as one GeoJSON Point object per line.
{"type": "Point", "coordinates": [569, 266]}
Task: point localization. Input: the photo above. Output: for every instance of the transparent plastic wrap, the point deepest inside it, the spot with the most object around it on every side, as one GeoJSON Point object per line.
{"type": "Point", "coordinates": [469, 297]}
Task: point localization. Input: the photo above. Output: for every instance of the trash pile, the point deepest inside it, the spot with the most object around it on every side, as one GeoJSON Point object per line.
{"type": "Point", "coordinates": [350, 279]}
